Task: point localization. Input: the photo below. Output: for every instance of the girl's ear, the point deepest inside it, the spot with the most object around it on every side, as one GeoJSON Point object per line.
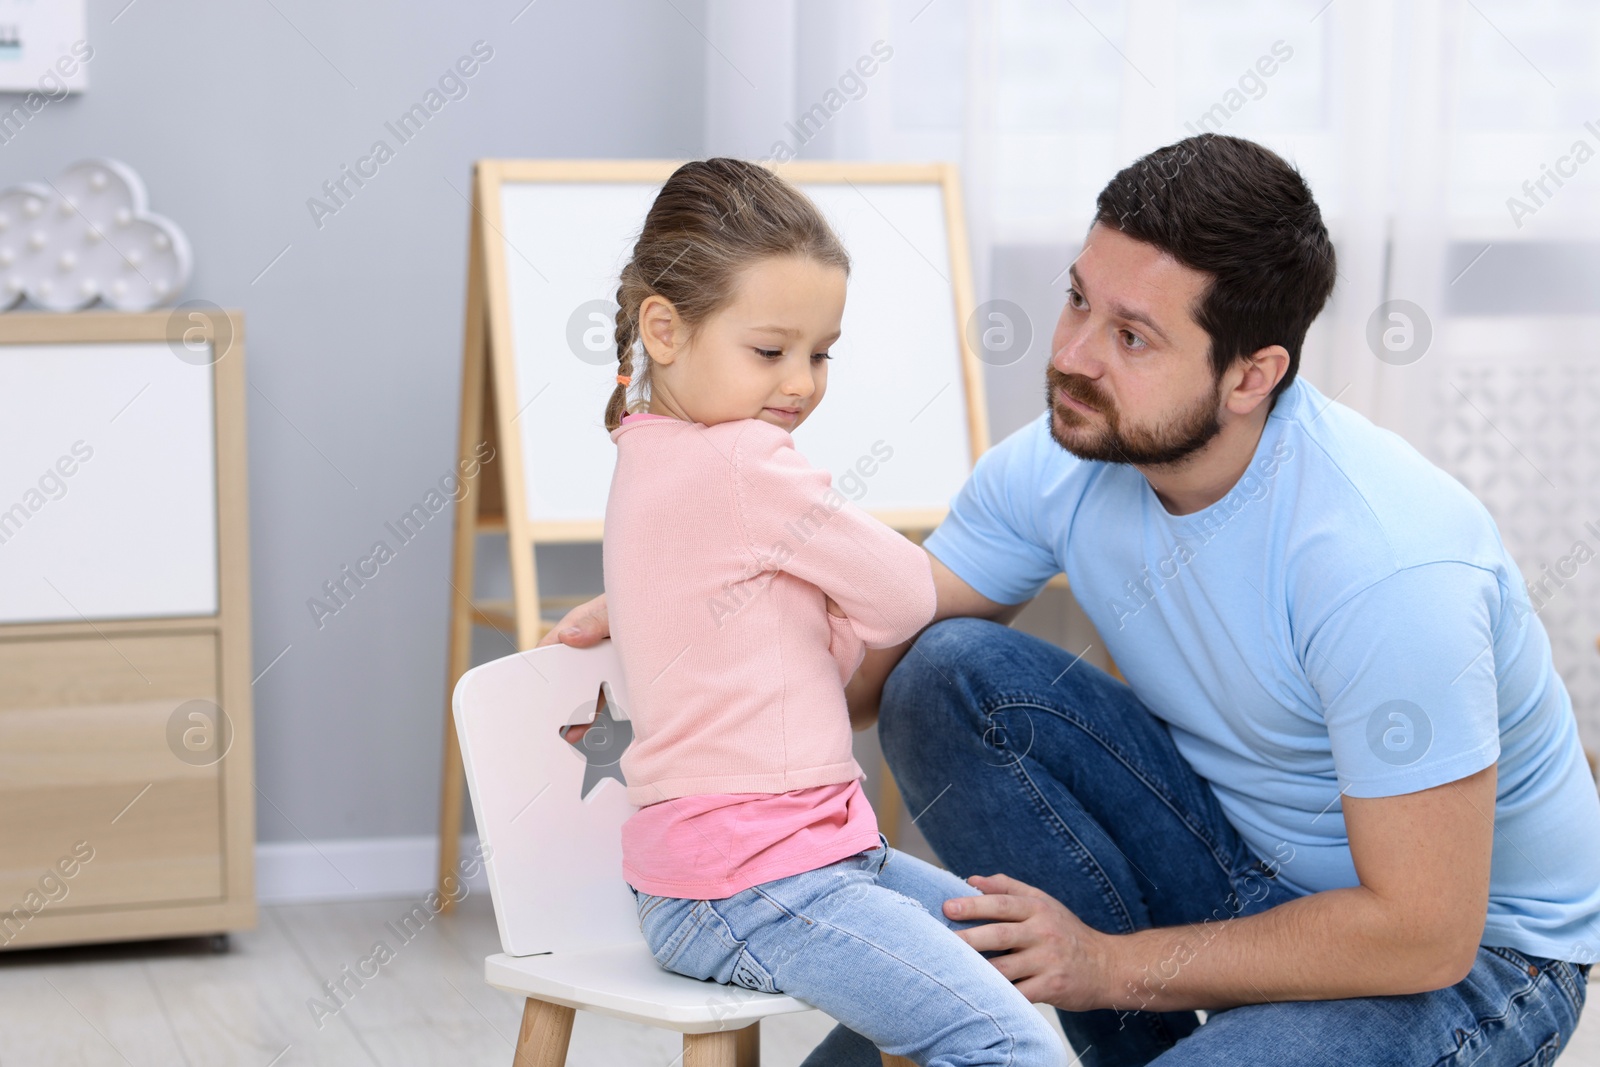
{"type": "Point", "coordinates": [660, 328]}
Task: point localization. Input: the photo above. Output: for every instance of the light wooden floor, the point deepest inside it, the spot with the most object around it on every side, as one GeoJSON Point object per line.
{"type": "Point", "coordinates": [176, 1003]}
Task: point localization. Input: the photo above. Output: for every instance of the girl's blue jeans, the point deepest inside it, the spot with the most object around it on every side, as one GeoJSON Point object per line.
{"type": "Point", "coordinates": [1024, 761]}
{"type": "Point", "coordinates": [865, 940]}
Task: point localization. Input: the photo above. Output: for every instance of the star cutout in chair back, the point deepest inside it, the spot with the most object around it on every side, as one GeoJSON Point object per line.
{"type": "Point", "coordinates": [602, 745]}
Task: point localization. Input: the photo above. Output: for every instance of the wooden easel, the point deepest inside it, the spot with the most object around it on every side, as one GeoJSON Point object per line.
{"type": "Point", "coordinates": [494, 497]}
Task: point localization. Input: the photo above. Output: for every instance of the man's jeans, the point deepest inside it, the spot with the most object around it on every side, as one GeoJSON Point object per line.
{"type": "Point", "coordinates": [1019, 759]}
{"type": "Point", "coordinates": [866, 940]}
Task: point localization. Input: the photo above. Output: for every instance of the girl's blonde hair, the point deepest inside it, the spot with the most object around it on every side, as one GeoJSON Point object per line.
{"type": "Point", "coordinates": [711, 219]}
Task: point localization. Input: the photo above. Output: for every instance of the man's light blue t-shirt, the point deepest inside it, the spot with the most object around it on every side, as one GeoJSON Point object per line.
{"type": "Point", "coordinates": [1346, 621]}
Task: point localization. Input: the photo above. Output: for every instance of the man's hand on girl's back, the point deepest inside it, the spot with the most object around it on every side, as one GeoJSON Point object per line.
{"type": "Point", "coordinates": [583, 626]}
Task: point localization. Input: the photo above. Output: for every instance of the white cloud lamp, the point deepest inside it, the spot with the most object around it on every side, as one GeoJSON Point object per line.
{"type": "Point", "coordinates": [85, 236]}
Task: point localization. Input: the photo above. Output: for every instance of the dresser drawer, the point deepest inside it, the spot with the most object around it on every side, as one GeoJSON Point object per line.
{"type": "Point", "coordinates": [107, 750]}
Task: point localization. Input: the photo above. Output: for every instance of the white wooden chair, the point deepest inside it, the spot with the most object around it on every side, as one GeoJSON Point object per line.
{"type": "Point", "coordinates": [568, 924]}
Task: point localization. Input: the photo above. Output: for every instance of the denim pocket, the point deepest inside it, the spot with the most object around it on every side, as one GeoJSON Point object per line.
{"type": "Point", "coordinates": [645, 903]}
{"type": "Point", "coordinates": [1528, 1011]}
{"type": "Point", "coordinates": [749, 973]}
{"type": "Point", "coordinates": [691, 938]}
{"type": "Point", "coordinates": [1572, 980]}
{"type": "Point", "coordinates": [1562, 975]}
{"type": "Point", "coordinates": [1521, 962]}
{"type": "Point", "coordinates": [778, 905]}
{"type": "Point", "coordinates": [880, 853]}
{"type": "Point", "coordinates": [712, 951]}
{"type": "Point", "coordinates": [665, 923]}
{"type": "Point", "coordinates": [1546, 1053]}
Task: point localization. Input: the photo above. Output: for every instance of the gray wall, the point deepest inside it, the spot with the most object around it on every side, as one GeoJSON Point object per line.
{"type": "Point", "coordinates": [235, 114]}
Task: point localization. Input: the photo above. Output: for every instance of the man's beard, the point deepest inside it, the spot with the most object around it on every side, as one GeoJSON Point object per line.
{"type": "Point", "coordinates": [1178, 438]}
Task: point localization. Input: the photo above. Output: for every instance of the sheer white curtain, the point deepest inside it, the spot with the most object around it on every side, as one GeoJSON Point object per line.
{"type": "Point", "coordinates": [1420, 125]}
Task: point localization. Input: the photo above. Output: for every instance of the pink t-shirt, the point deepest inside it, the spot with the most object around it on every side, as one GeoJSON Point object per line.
{"type": "Point", "coordinates": [708, 846]}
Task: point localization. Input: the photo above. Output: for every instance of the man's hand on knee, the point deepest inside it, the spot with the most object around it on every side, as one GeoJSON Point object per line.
{"type": "Point", "coordinates": [1051, 956]}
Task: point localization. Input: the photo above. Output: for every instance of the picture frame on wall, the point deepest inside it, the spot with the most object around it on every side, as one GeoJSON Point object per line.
{"type": "Point", "coordinates": [44, 52]}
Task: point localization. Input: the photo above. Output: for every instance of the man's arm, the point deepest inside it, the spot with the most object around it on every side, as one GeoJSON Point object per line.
{"type": "Point", "coordinates": [1413, 923]}
{"type": "Point", "coordinates": [955, 598]}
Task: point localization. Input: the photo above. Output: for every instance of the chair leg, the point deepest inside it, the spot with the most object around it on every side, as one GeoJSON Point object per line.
{"type": "Point", "coordinates": [720, 1049]}
{"type": "Point", "coordinates": [747, 1045]}
{"type": "Point", "coordinates": [546, 1031]}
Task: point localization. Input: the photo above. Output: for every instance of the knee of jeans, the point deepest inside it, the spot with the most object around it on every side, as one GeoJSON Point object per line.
{"type": "Point", "coordinates": [918, 691]}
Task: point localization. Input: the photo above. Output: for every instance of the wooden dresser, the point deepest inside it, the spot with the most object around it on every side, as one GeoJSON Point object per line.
{"type": "Point", "coordinates": [126, 786]}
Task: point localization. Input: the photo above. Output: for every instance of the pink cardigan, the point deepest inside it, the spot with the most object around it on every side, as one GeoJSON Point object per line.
{"type": "Point", "coordinates": [720, 542]}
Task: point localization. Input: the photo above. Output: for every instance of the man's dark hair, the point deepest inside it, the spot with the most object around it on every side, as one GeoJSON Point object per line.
{"type": "Point", "coordinates": [1240, 213]}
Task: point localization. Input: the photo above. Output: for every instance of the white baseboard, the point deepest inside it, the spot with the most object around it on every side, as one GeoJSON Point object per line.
{"type": "Point", "coordinates": [367, 868]}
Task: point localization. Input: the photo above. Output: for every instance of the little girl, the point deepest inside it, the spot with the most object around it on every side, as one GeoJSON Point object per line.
{"type": "Point", "coordinates": [743, 591]}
